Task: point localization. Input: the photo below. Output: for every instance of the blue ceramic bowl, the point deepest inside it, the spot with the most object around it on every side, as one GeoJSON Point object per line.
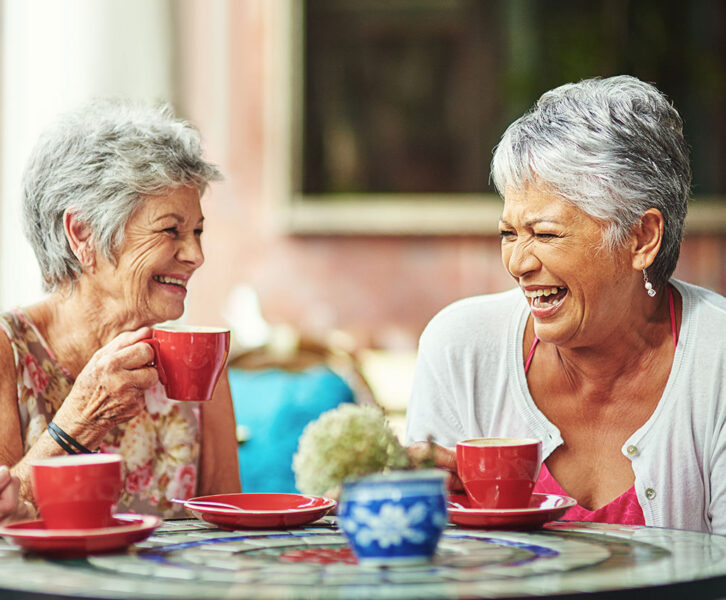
{"type": "Point", "coordinates": [394, 517]}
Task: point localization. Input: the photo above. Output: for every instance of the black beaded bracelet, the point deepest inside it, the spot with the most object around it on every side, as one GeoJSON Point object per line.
{"type": "Point", "coordinates": [65, 441]}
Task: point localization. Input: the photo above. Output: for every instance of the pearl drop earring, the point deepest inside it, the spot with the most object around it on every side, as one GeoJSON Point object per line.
{"type": "Point", "coordinates": [648, 284]}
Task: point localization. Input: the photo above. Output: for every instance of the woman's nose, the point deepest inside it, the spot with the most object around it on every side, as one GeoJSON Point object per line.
{"type": "Point", "coordinates": [190, 251]}
{"type": "Point", "coordinates": [519, 258]}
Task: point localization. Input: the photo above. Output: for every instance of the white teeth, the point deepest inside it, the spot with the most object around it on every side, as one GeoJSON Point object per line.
{"type": "Point", "coordinates": [542, 292]}
{"type": "Point", "coordinates": [172, 280]}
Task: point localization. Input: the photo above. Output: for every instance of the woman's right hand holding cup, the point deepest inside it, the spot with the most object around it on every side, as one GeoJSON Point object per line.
{"type": "Point", "coordinates": [110, 389]}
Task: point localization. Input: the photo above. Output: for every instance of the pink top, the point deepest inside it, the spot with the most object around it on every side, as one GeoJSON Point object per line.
{"type": "Point", "coordinates": [625, 509]}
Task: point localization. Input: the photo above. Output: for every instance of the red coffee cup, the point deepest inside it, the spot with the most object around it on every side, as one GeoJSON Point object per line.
{"type": "Point", "coordinates": [189, 359]}
{"type": "Point", "coordinates": [499, 472]}
{"type": "Point", "coordinates": [78, 491]}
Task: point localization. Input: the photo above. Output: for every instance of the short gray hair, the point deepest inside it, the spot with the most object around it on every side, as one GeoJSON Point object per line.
{"type": "Point", "coordinates": [100, 160]}
{"type": "Point", "coordinates": [614, 148]}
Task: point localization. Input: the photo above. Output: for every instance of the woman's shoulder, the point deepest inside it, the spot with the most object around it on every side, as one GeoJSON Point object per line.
{"type": "Point", "coordinates": [702, 300]}
{"type": "Point", "coordinates": [8, 361]}
{"type": "Point", "coordinates": [12, 322]}
{"type": "Point", "coordinates": [20, 331]}
{"type": "Point", "coordinates": [476, 316]}
{"type": "Point", "coordinates": [703, 324]}
{"type": "Point", "coordinates": [12, 332]}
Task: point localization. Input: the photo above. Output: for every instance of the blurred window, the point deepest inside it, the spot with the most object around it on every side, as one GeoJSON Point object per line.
{"type": "Point", "coordinates": [411, 96]}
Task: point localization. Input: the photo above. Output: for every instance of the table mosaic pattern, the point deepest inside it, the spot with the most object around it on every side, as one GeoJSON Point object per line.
{"type": "Point", "coordinates": [191, 559]}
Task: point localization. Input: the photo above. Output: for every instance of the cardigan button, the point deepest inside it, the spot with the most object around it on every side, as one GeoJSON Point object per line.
{"type": "Point", "coordinates": [650, 493]}
{"type": "Point", "coordinates": [632, 450]}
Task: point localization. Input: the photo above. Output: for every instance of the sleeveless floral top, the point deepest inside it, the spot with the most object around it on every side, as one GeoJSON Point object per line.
{"type": "Point", "coordinates": [160, 446]}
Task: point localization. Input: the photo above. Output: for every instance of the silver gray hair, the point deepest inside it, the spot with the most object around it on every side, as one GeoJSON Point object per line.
{"type": "Point", "coordinates": [614, 148]}
{"type": "Point", "coordinates": [101, 160]}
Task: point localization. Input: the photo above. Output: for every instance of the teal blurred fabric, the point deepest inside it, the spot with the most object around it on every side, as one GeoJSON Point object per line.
{"type": "Point", "coordinates": [275, 406]}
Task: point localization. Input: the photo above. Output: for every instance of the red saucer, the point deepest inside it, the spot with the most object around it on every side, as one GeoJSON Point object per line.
{"type": "Point", "coordinates": [261, 510]}
{"type": "Point", "coordinates": [542, 508]}
{"type": "Point", "coordinates": [33, 536]}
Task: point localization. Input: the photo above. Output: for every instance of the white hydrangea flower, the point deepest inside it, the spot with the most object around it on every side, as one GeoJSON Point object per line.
{"type": "Point", "coordinates": [347, 441]}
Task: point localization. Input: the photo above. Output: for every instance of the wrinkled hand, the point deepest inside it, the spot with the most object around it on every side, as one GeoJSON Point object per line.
{"type": "Point", "coordinates": [110, 388]}
{"type": "Point", "coordinates": [9, 486]}
{"type": "Point", "coordinates": [443, 458]}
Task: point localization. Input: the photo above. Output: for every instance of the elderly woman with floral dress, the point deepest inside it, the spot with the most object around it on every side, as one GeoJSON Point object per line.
{"type": "Point", "coordinates": [111, 203]}
{"type": "Point", "coordinates": [617, 367]}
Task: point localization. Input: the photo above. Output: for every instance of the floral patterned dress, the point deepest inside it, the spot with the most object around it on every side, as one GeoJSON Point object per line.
{"type": "Point", "coordinates": [160, 446]}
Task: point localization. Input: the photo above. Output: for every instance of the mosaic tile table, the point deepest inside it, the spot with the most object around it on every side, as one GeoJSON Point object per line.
{"type": "Point", "coordinates": [187, 559]}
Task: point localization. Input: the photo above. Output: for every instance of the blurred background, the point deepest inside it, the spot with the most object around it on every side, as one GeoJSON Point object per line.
{"type": "Point", "coordinates": [355, 137]}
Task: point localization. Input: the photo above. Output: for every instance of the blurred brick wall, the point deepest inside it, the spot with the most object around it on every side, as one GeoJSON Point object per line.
{"type": "Point", "coordinates": [381, 289]}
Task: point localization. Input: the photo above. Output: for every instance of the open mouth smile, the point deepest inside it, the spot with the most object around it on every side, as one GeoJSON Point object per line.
{"type": "Point", "coordinates": [181, 283]}
{"type": "Point", "coordinates": [546, 298]}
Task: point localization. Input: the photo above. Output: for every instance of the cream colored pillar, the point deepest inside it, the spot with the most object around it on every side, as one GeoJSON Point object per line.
{"type": "Point", "coordinates": [55, 55]}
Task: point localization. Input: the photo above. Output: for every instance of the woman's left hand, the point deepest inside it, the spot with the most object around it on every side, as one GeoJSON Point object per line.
{"type": "Point", "coordinates": [9, 486]}
{"type": "Point", "coordinates": [443, 458]}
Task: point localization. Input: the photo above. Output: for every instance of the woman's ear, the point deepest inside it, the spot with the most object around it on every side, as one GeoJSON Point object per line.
{"type": "Point", "coordinates": [80, 239]}
{"type": "Point", "coordinates": [647, 238]}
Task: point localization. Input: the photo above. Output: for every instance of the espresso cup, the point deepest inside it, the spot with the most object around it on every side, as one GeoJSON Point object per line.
{"type": "Point", "coordinates": [78, 491]}
{"type": "Point", "coordinates": [189, 359]}
{"type": "Point", "coordinates": [499, 472]}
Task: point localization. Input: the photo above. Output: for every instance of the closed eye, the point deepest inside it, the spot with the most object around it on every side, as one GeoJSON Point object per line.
{"type": "Point", "coordinates": [506, 233]}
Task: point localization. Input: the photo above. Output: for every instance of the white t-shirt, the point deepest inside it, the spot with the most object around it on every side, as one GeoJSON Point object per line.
{"type": "Point", "coordinates": [470, 382]}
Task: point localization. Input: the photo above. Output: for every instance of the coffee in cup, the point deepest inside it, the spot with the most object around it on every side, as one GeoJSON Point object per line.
{"type": "Point", "coordinates": [499, 472]}
{"type": "Point", "coordinates": [78, 491]}
{"type": "Point", "coordinates": [189, 360]}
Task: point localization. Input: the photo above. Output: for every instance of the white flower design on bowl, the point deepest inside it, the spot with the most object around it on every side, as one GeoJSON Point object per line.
{"type": "Point", "coordinates": [390, 527]}
{"type": "Point", "coordinates": [394, 517]}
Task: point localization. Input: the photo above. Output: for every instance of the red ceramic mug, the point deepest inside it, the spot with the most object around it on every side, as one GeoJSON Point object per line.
{"type": "Point", "coordinates": [78, 491]}
{"type": "Point", "coordinates": [499, 472]}
{"type": "Point", "coordinates": [189, 360]}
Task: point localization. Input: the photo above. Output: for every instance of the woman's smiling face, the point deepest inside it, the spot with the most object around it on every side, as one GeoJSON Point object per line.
{"type": "Point", "coordinates": [160, 252]}
{"type": "Point", "coordinates": [577, 289]}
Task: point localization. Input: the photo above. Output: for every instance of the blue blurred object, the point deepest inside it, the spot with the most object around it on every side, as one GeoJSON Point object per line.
{"type": "Point", "coordinates": [394, 517]}
{"type": "Point", "coordinates": [274, 406]}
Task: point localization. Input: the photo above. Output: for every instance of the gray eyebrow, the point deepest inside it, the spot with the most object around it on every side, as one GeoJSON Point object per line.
{"type": "Point", "coordinates": [178, 217]}
{"type": "Point", "coordinates": [533, 221]}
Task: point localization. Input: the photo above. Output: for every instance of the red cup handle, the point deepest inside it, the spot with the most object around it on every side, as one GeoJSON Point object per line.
{"type": "Point", "coordinates": [154, 343]}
